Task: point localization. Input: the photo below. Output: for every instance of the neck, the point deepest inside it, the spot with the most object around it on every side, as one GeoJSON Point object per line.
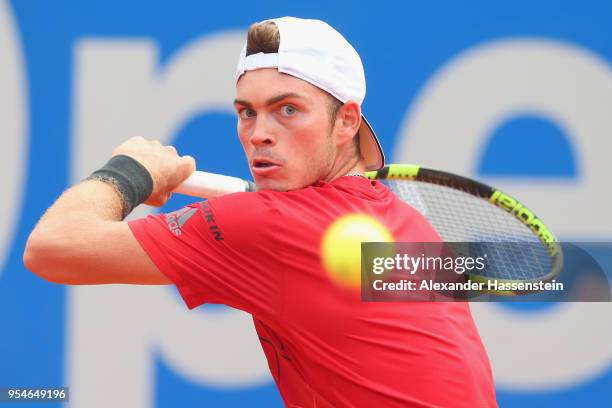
{"type": "Point", "coordinates": [353, 166]}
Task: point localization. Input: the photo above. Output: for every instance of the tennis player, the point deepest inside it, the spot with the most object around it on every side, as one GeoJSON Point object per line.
{"type": "Point", "coordinates": [299, 89]}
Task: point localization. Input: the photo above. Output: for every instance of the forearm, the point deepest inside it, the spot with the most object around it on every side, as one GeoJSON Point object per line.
{"type": "Point", "coordinates": [74, 230]}
{"type": "Point", "coordinates": [81, 238]}
{"type": "Point", "coordinates": [90, 200]}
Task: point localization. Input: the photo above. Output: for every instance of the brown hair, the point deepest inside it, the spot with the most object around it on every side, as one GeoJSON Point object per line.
{"type": "Point", "coordinates": [264, 37]}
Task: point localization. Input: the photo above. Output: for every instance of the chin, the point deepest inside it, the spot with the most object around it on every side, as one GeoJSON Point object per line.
{"type": "Point", "coordinates": [277, 185]}
{"type": "Point", "coordinates": [271, 186]}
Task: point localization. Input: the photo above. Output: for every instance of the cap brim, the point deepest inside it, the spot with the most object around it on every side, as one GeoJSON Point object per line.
{"type": "Point", "coordinates": [371, 151]}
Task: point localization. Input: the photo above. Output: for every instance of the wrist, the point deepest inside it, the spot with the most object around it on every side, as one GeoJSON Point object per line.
{"type": "Point", "coordinates": [130, 179]}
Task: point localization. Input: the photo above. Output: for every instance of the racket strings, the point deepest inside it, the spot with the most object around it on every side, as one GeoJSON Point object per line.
{"type": "Point", "coordinates": [454, 182]}
{"type": "Point", "coordinates": [513, 251]}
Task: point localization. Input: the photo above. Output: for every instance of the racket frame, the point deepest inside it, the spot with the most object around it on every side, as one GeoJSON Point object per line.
{"type": "Point", "coordinates": [493, 196]}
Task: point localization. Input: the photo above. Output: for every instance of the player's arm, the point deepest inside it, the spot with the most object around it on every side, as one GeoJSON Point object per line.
{"type": "Point", "coordinates": [81, 238]}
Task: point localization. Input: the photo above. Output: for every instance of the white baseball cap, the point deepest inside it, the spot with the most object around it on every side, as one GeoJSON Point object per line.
{"type": "Point", "coordinates": [315, 52]}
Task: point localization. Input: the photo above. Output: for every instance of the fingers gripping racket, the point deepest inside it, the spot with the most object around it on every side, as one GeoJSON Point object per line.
{"type": "Point", "coordinates": [460, 209]}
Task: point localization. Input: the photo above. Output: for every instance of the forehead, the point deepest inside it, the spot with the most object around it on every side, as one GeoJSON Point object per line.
{"type": "Point", "coordinates": [267, 82]}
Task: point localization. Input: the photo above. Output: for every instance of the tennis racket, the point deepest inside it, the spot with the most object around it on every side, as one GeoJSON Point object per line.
{"type": "Point", "coordinates": [522, 250]}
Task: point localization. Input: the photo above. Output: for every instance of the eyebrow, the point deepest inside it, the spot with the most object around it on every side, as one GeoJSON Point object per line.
{"type": "Point", "coordinates": [270, 101]}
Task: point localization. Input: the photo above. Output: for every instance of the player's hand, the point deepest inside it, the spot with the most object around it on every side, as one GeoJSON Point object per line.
{"type": "Point", "coordinates": [166, 167]}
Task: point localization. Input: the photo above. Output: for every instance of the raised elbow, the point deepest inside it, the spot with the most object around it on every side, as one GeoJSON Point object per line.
{"type": "Point", "coordinates": [38, 258]}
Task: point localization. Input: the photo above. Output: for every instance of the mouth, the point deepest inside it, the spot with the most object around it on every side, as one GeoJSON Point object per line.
{"type": "Point", "coordinates": [263, 166]}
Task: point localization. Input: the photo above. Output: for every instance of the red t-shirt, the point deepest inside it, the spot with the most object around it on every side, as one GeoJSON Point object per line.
{"type": "Point", "coordinates": [259, 252]}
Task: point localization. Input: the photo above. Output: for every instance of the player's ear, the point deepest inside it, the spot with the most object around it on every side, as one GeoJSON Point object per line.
{"type": "Point", "coordinates": [348, 120]}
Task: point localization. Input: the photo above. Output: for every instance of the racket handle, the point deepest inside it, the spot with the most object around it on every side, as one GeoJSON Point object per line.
{"type": "Point", "coordinates": [205, 185]}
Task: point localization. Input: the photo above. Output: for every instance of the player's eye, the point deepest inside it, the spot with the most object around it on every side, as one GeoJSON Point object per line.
{"type": "Point", "coordinates": [246, 113]}
{"type": "Point", "coordinates": [288, 110]}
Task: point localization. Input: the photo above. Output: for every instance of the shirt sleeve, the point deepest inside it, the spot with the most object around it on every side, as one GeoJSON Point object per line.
{"type": "Point", "coordinates": [218, 251]}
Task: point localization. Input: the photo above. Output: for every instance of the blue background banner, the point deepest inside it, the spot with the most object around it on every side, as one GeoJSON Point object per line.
{"type": "Point", "coordinates": [518, 94]}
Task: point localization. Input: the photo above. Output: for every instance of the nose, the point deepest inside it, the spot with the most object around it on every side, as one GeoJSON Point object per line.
{"type": "Point", "coordinates": [261, 135]}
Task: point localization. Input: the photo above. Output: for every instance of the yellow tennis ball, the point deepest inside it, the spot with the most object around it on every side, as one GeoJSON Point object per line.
{"type": "Point", "coordinates": [341, 246]}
